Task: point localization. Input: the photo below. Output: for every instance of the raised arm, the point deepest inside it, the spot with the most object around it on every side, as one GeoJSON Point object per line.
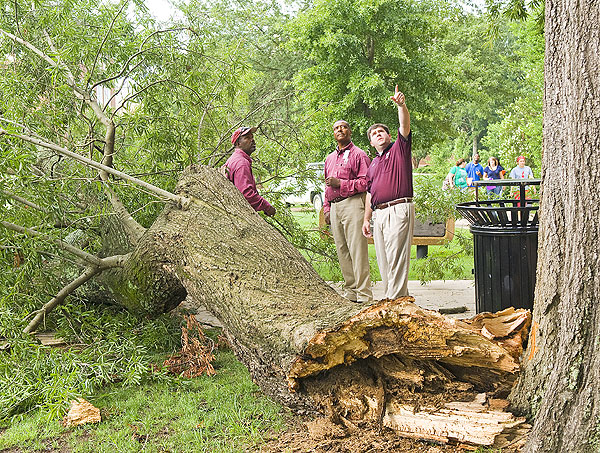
{"type": "Point", "coordinates": [403, 115]}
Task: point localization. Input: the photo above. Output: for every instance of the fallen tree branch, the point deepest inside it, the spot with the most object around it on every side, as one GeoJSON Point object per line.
{"type": "Point", "coordinates": [177, 199]}
{"type": "Point", "coordinates": [133, 229]}
{"type": "Point", "coordinates": [23, 201]}
{"type": "Point", "coordinates": [85, 256]}
{"type": "Point", "coordinates": [105, 263]}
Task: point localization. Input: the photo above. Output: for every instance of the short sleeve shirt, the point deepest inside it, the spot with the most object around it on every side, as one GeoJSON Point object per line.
{"type": "Point", "coordinates": [521, 173]}
{"type": "Point", "coordinates": [390, 175]}
{"type": "Point", "coordinates": [493, 174]}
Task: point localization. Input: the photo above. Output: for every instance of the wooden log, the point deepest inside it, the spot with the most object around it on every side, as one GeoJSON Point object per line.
{"type": "Point", "coordinates": [401, 327]}
{"type": "Point", "coordinates": [306, 346]}
{"type": "Point", "coordinates": [457, 422]}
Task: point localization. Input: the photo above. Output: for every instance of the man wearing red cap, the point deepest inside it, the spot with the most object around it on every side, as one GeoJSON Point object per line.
{"type": "Point", "coordinates": [521, 171]}
{"type": "Point", "coordinates": [238, 169]}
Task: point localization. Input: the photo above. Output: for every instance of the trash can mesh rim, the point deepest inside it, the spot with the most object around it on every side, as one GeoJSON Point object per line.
{"type": "Point", "coordinates": [503, 214]}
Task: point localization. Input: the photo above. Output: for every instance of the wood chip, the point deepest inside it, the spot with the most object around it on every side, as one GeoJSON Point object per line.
{"type": "Point", "coordinates": [49, 339]}
{"type": "Point", "coordinates": [458, 422]}
{"type": "Point", "coordinates": [80, 413]}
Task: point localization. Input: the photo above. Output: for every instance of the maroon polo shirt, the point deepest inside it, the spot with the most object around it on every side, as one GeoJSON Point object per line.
{"type": "Point", "coordinates": [239, 172]}
{"type": "Point", "coordinates": [349, 165]}
{"type": "Point", "coordinates": [390, 174]}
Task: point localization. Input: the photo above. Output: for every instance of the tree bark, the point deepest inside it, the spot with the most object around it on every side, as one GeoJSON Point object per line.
{"type": "Point", "coordinates": [559, 384]}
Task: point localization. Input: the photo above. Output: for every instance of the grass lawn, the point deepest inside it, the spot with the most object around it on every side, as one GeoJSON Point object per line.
{"type": "Point", "coordinates": [222, 413]}
{"type": "Point", "coordinates": [461, 268]}
{"type": "Point", "coordinates": [225, 413]}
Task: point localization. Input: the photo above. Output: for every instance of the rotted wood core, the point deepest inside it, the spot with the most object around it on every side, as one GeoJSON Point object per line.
{"type": "Point", "coordinates": [417, 372]}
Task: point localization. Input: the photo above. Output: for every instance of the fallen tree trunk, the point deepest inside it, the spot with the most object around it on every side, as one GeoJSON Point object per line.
{"type": "Point", "coordinates": [306, 346]}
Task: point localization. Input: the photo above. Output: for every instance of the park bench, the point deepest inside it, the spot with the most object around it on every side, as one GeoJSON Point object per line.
{"type": "Point", "coordinates": [424, 234]}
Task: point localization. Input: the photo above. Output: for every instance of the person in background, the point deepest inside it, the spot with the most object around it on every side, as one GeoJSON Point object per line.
{"type": "Point", "coordinates": [474, 170]}
{"type": "Point", "coordinates": [503, 172]}
{"type": "Point", "coordinates": [344, 209]}
{"type": "Point", "coordinates": [521, 171]}
{"type": "Point", "coordinates": [390, 201]}
{"type": "Point", "coordinates": [238, 169]}
{"type": "Point", "coordinates": [492, 171]}
{"type": "Point", "coordinates": [458, 174]}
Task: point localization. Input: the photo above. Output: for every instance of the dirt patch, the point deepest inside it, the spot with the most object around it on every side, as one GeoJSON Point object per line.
{"type": "Point", "coordinates": [322, 435]}
{"type": "Point", "coordinates": [359, 391]}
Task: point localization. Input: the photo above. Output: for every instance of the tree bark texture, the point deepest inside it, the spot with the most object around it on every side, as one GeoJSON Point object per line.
{"type": "Point", "coordinates": [301, 341]}
{"type": "Point", "coordinates": [561, 379]}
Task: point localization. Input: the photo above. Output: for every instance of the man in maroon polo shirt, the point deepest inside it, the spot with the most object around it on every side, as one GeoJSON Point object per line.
{"type": "Point", "coordinates": [389, 201]}
{"type": "Point", "coordinates": [238, 169]}
{"type": "Point", "coordinates": [344, 209]}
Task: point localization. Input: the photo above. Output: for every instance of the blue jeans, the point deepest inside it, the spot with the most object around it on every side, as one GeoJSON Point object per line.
{"type": "Point", "coordinates": [496, 190]}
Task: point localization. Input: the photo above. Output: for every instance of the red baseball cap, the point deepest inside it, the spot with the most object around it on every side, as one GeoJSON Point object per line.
{"type": "Point", "coordinates": [520, 157]}
{"type": "Point", "coordinates": [241, 131]}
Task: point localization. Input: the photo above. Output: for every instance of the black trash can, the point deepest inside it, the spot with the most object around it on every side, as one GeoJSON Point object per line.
{"type": "Point", "coordinates": [505, 235]}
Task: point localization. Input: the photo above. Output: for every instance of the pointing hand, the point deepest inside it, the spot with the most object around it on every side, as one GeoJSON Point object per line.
{"type": "Point", "coordinates": [398, 97]}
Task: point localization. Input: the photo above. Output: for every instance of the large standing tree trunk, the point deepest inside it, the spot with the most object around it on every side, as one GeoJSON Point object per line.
{"type": "Point", "coordinates": [560, 384]}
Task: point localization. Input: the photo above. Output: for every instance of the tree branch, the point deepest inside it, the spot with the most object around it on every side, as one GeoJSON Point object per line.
{"type": "Point", "coordinates": [60, 296]}
{"type": "Point", "coordinates": [264, 104]}
{"type": "Point", "coordinates": [109, 136]}
{"type": "Point", "coordinates": [85, 256]}
{"type": "Point", "coordinates": [179, 200]}
{"type": "Point", "coordinates": [79, 92]}
{"type": "Point", "coordinates": [23, 201]}
{"type": "Point", "coordinates": [133, 95]}
{"type": "Point", "coordinates": [112, 23]}
{"type": "Point", "coordinates": [132, 227]}
{"type": "Point", "coordinates": [106, 263]}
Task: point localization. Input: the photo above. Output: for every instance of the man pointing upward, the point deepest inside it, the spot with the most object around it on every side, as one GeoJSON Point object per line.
{"type": "Point", "coordinates": [390, 201]}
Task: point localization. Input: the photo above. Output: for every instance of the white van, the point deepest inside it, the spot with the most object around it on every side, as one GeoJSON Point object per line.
{"type": "Point", "coordinates": [310, 188]}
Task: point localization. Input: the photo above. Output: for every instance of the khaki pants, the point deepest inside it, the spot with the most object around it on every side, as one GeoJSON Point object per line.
{"type": "Point", "coordinates": [352, 249]}
{"type": "Point", "coordinates": [392, 233]}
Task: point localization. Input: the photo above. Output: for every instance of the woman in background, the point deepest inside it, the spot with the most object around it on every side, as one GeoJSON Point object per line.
{"type": "Point", "coordinates": [492, 171]}
{"type": "Point", "coordinates": [460, 174]}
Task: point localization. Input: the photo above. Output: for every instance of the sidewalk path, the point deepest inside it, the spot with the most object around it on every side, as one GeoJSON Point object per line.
{"type": "Point", "coordinates": [436, 294]}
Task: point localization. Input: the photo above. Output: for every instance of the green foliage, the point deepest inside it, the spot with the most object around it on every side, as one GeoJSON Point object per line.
{"type": "Point", "coordinates": [222, 413]}
{"type": "Point", "coordinates": [515, 10]}
{"type": "Point", "coordinates": [451, 261]}
{"type": "Point", "coordinates": [520, 130]}
{"type": "Point", "coordinates": [434, 204]}
{"type": "Point", "coordinates": [227, 63]}
{"type": "Point", "coordinates": [487, 75]}
{"type": "Point", "coordinates": [355, 53]}
{"type": "Point", "coordinates": [454, 260]}
{"type": "Point", "coordinates": [110, 346]}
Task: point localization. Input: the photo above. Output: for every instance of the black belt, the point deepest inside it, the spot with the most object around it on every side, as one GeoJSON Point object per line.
{"type": "Point", "coordinates": [337, 199]}
{"type": "Point", "coordinates": [387, 204]}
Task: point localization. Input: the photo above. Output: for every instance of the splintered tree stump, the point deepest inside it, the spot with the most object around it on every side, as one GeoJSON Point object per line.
{"type": "Point", "coordinates": [306, 346]}
{"type": "Point", "coordinates": [471, 423]}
